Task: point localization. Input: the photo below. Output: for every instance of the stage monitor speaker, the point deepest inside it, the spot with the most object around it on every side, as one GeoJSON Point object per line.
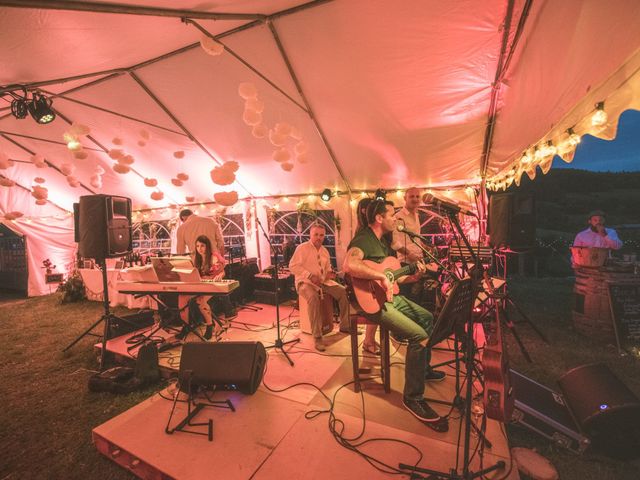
{"type": "Point", "coordinates": [104, 225]}
{"type": "Point", "coordinates": [222, 364]}
{"type": "Point", "coordinates": [76, 222]}
{"type": "Point", "coordinates": [604, 408]}
{"type": "Point", "coordinates": [512, 220]}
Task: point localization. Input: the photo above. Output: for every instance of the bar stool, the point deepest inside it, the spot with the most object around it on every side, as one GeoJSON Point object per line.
{"type": "Point", "coordinates": [357, 317]}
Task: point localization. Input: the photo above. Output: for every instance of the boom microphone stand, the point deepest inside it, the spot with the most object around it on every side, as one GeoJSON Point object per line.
{"type": "Point", "coordinates": [279, 344]}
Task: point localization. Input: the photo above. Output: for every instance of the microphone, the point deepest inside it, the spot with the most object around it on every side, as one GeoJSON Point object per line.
{"type": "Point", "coordinates": [445, 205]}
{"type": "Point", "coordinates": [403, 229]}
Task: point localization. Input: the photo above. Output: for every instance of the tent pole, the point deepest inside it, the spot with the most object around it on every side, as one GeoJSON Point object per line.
{"type": "Point", "coordinates": [503, 60]}
{"type": "Point", "coordinates": [127, 9]}
{"type": "Point", "coordinates": [179, 123]}
{"type": "Point", "coordinates": [44, 140]}
{"type": "Point", "coordinates": [245, 63]}
{"type": "Point", "coordinates": [106, 110]}
{"type": "Point", "coordinates": [294, 77]}
{"type": "Point", "coordinates": [51, 165]}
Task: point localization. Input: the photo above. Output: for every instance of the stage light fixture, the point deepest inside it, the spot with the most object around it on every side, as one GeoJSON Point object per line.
{"type": "Point", "coordinates": [326, 195]}
{"type": "Point", "coordinates": [40, 109]}
{"type": "Point", "coordinates": [19, 108]}
{"type": "Point", "coordinates": [380, 194]}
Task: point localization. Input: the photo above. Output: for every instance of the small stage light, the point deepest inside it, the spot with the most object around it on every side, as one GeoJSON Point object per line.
{"type": "Point", "coordinates": [40, 109]}
{"type": "Point", "coordinates": [326, 195]}
{"type": "Point", "coordinates": [19, 108]}
{"type": "Point", "coordinates": [380, 194]}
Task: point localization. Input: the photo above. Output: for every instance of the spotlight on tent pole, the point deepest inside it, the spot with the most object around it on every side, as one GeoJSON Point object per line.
{"type": "Point", "coordinates": [380, 194]}
{"type": "Point", "coordinates": [40, 109]}
{"type": "Point", "coordinates": [326, 195]}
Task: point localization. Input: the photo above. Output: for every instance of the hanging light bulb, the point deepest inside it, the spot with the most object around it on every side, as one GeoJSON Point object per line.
{"type": "Point", "coordinates": [548, 149]}
{"type": "Point", "coordinates": [538, 155]}
{"type": "Point", "coordinates": [600, 117]}
{"type": "Point", "coordinates": [526, 158]}
{"type": "Point", "coordinates": [574, 138]}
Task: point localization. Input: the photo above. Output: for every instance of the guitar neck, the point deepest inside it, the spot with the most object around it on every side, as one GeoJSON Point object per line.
{"type": "Point", "coordinates": [406, 270]}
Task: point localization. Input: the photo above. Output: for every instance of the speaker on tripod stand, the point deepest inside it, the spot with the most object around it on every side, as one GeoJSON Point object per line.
{"type": "Point", "coordinates": [103, 230]}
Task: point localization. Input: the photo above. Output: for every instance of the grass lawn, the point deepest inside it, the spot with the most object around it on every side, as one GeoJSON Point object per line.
{"type": "Point", "coordinates": [48, 413]}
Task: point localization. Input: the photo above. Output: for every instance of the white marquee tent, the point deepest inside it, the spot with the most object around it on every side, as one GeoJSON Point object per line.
{"type": "Point", "coordinates": [347, 94]}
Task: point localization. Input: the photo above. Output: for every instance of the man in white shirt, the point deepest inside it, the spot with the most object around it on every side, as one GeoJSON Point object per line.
{"type": "Point", "coordinates": [597, 235]}
{"type": "Point", "coordinates": [192, 227]}
{"type": "Point", "coordinates": [311, 266]}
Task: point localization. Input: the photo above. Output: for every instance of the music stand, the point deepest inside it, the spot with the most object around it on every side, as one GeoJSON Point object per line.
{"type": "Point", "coordinates": [461, 314]}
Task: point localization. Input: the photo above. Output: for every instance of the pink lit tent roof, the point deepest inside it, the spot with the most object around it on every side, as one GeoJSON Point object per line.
{"type": "Point", "coordinates": [383, 93]}
{"type": "Point", "coordinates": [380, 93]}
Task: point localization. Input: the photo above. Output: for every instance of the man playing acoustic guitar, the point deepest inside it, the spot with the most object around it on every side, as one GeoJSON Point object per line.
{"type": "Point", "coordinates": [373, 276]}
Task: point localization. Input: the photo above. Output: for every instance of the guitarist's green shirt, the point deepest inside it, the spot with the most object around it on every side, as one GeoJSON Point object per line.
{"type": "Point", "coordinates": [374, 249]}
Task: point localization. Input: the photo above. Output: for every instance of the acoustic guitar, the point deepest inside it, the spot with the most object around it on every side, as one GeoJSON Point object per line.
{"type": "Point", "coordinates": [371, 294]}
{"type": "Point", "coordinates": [498, 392]}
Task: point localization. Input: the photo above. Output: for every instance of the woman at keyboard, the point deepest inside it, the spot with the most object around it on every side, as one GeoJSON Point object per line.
{"type": "Point", "coordinates": [210, 265]}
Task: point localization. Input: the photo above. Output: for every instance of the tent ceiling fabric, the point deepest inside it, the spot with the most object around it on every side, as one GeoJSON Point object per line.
{"type": "Point", "coordinates": [401, 91]}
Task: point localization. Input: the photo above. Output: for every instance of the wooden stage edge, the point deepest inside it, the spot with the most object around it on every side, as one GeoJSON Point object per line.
{"type": "Point", "coordinates": [273, 434]}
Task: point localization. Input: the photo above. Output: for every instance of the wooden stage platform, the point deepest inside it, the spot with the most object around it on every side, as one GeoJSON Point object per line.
{"type": "Point", "coordinates": [285, 429]}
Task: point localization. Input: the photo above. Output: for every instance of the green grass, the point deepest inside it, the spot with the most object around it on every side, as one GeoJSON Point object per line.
{"type": "Point", "coordinates": [48, 413]}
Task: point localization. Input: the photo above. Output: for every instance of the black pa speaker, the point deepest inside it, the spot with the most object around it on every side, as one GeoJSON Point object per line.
{"type": "Point", "coordinates": [223, 363]}
{"type": "Point", "coordinates": [512, 220]}
{"type": "Point", "coordinates": [76, 222]}
{"type": "Point", "coordinates": [104, 226]}
{"type": "Point", "coordinates": [604, 408]}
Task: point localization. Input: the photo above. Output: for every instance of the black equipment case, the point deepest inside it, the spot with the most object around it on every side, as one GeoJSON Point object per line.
{"type": "Point", "coordinates": [545, 412]}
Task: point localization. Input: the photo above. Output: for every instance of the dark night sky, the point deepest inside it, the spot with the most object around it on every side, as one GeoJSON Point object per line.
{"type": "Point", "coordinates": [620, 154]}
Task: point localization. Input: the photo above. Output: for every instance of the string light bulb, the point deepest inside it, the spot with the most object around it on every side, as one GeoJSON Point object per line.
{"type": "Point", "coordinates": [600, 117]}
{"type": "Point", "coordinates": [574, 138]}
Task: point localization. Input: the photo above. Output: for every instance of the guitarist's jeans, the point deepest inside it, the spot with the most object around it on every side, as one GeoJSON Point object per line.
{"type": "Point", "coordinates": [409, 321]}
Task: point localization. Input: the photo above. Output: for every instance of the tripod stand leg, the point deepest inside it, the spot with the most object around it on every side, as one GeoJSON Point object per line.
{"type": "Point", "coordinates": [523, 315]}
{"type": "Point", "coordinates": [513, 330]}
{"type": "Point", "coordinates": [84, 334]}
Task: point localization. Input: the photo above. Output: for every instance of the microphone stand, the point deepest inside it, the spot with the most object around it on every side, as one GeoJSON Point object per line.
{"type": "Point", "coordinates": [279, 344]}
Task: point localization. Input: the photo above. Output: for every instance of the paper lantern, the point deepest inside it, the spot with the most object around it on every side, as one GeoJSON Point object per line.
{"type": "Point", "coordinates": [79, 129]}
{"type": "Point", "coordinates": [116, 153]}
{"type": "Point", "coordinates": [98, 170]}
{"type": "Point", "coordinates": [117, 141]}
{"type": "Point", "coordinates": [231, 165]}
{"type": "Point", "coordinates": [286, 166]}
{"type": "Point", "coordinates": [39, 180]}
{"type": "Point", "coordinates": [210, 46]}
{"type": "Point", "coordinates": [177, 182]}
{"type": "Point", "coordinates": [222, 176]}
{"type": "Point", "coordinates": [178, 154]}
{"type": "Point", "coordinates": [254, 104]}
{"type": "Point", "coordinates": [157, 196]}
{"type": "Point", "coordinates": [247, 90]}
{"type": "Point", "coordinates": [74, 145]}
{"type": "Point", "coordinates": [38, 160]}
{"type": "Point", "coordinates": [190, 199]}
{"type": "Point", "coordinates": [283, 128]}
{"type": "Point", "coordinates": [295, 133]}
{"type": "Point", "coordinates": [182, 176]}
{"type": "Point", "coordinates": [80, 155]}
{"type": "Point", "coordinates": [150, 182]}
{"type": "Point", "coordinates": [276, 139]}
{"type": "Point", "coordinates": [226, 199]}
{"type": "Point", "coordinates": [145, 134]}
{"type": "Point", "coordinates": [6, 182]}
{"type": "Point", "coordinates": [121, 169]}
{"type": "Point", "coordinates": [281, 155]}
{"type": "Point", "coordinates": [73, 181]}
{"type": "Point", "coordinates": [142, 143]}
{"type": "Point", "coordinates": [12, 215]}
{"type": "Point", "coordinates": [301, 147]}
{"type": "Point", "coordinates": [96, 181]}
{"type": "Point", "coordinates": [259, 131]}
{"type": "Point", "coordinates": [41, 202]}
{"type": "Point", "coordinates": [251, 117]}
{"type": "Point", "coordinates": [39, 193]}
{"type": "Point", "coordinates": [126, 160]}
{"type": "Point", "coordinates": [303, 158]}
{"type": "Point", "coordinates": [69, 137]}
{"type": "Point", "coordinates": [5, 161]}
{"type": "Point", "coordinates": [67, 168]}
